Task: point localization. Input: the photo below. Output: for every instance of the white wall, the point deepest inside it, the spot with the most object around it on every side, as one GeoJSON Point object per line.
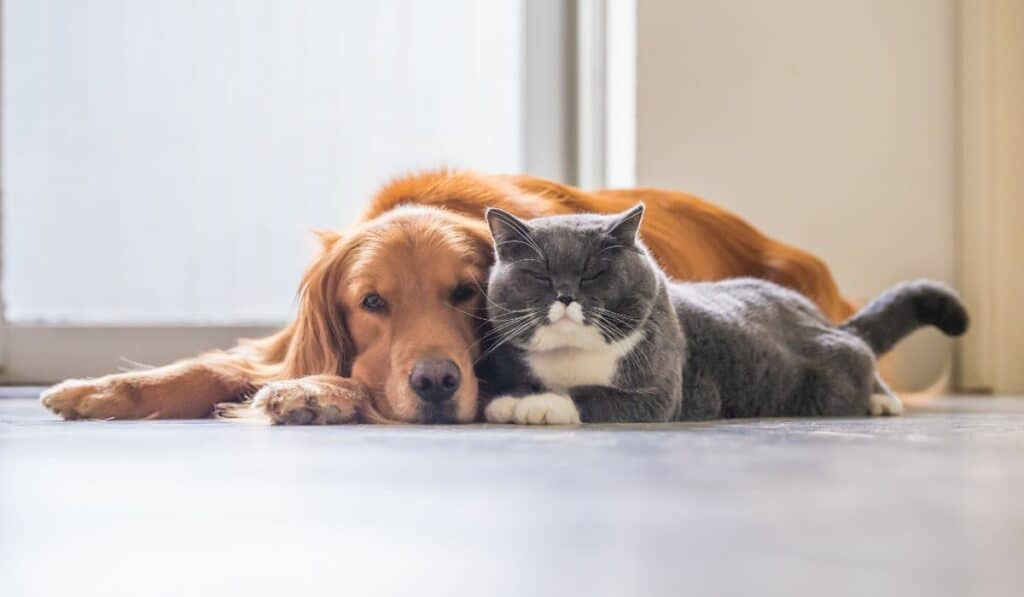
{"type": "Point", "coordinates": [830, 125]}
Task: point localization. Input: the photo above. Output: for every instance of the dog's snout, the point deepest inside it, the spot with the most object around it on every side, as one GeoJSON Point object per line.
{"type": "Point", "coordinates": [566, 299]}
{"type": "Point", "coordinates": [435, 380]}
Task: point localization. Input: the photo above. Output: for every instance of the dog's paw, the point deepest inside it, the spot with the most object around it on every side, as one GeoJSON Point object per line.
{"type": "Point", "coordinates": [89, 399]}
{"type": "Point", "coordinates": [546, 409]}
{"type": "Point", "coordinates": [297, 402]}
{"type": "Point", "coordinates": [884, 405]}
{"type": "Point", "coordinates": [501, 409]}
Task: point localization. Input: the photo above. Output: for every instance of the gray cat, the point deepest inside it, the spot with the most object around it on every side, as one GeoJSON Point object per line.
{"type": "Point", "coordinates": [586, 327]}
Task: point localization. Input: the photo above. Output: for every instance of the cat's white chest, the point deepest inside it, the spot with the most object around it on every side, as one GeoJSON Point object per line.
{"type": "Point", "coordinates": [564, 356]}
{"type": "Point", "coordinates": [564, 368]}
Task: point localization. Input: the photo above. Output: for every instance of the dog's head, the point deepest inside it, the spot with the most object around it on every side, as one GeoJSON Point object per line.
{"type": "Point", "coordinates": [397, 304]}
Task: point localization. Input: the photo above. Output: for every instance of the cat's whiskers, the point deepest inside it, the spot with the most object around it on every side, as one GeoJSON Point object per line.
{"type": "Point", "coordinates": [512, 312]}
{"type": "Point", "coordinates": [615, 315]}
{"type": "Point", "coordinates": [619, 322]}
{"type": "Point", "coordinates": [499, 322]}
{"type": "Point", "coordinates": [491, 302]}
{"type": "Point", "coordinates": [521, 328]}
{"type": "Point", "coordinates": [635, 358]}
{"type": "Point", "coordinates": [609, 322]}
{"type": "Point", "coordinates": [619, 318]}
{"type": "Point", "coordinates": [506, 327]}
{"type": "Point", "coordinates": [488, 319]}
{"type": "Point", "coordinates": [607, 330]}
{"type": "Point", "coordinates": [467, 313]}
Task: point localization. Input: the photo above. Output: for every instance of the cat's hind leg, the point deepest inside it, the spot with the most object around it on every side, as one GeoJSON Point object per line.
{"type": "Point", "coordinates": [883, 402]}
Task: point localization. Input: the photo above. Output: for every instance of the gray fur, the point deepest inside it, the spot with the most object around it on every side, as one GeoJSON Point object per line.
{"type": "Point", "coordinates": [738, 348]}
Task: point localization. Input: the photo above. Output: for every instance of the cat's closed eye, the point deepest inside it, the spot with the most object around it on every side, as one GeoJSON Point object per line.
{"type": "Point", "coordinates": [537, 276]}
{"type": "Point", "coordinates": [594, 275]}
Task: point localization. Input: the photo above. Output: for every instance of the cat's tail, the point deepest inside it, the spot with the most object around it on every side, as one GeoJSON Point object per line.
{"type": "Point", "coordinates": [903, 309]}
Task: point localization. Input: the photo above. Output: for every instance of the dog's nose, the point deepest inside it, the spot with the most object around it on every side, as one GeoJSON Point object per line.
{"type": "Point", "coordinates": [566, 299]}
{"type": "Point", "coordinates": [435, 380]}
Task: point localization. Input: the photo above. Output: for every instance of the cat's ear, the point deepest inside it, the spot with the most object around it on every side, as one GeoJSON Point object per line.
{"type": "Point", "coordinates": [624, 227]}
{"type": "Point", "coordinates": [510, 234]}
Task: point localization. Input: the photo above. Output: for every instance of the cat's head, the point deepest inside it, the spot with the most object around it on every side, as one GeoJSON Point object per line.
{"type": "Point", "coordinates": [569, 281]}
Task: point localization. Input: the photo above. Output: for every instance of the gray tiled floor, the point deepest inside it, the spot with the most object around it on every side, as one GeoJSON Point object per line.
{"type": "Point", "coordinates": [928, 504]}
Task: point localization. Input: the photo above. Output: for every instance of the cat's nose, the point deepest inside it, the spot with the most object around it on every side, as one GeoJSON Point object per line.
{"type": "Point", "coordinates": [566, 299]}
{"type": "Point", "coordinates": [435, 380]}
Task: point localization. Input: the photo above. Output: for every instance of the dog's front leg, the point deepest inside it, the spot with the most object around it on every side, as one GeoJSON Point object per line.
{"type": "Point", "coordinates": [312, 400]}
{"type": "Point", "coordinates": [187, 389]}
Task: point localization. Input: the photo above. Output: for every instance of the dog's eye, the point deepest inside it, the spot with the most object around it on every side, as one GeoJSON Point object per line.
{"type": "Point", "coordinates": [462, 292]}
{"type": "Point", "coordinates": [374, 302]}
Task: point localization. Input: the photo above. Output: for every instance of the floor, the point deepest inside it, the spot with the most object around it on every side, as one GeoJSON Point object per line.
{"type": "Point", "coordinates": [928, 504]}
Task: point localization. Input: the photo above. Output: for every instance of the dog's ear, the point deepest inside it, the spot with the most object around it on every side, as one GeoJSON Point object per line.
{"type": "Point", "coordinates": [511, 235]}
{"type": "Point", "coordinates": [320, 342]}
{"type": "Point", "coordinates": [480, 245]}
{"type": "Point", "coordinates": [625, 226]}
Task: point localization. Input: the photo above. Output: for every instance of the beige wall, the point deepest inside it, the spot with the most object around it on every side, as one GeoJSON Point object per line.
{"type": "Point", "coordinates": [991, 205]}
{"type": "Point", "coordinates": [827, 124]}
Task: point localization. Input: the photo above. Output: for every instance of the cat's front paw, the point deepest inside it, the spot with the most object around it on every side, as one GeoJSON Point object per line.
{"type": "Point", "coordinates": [546, 409]}
{"type": "Point", "coordinates": [501, 410]}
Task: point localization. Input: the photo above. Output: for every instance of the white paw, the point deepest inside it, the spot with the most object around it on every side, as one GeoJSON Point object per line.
{"type": "Point", "coordinates": [546, 409]}
{"type": "Point", "coordinates": [501, 409]}
{"type": "Point", "coordinates": [884, 404]}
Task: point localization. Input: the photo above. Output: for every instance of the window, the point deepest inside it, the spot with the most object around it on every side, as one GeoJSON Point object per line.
{"type": "Point", "coordinates": [163, 161]}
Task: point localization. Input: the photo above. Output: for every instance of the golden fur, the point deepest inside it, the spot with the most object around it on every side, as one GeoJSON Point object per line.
{"type": "Point", "coordinates": [421, 237]}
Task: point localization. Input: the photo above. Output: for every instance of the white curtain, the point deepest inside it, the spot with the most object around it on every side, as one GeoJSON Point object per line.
{"type": "Point", "coordinates": [164, 160]}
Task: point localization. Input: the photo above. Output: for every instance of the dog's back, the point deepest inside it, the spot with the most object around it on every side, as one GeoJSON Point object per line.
{"type": "Point", "coordinates": [692, 239]}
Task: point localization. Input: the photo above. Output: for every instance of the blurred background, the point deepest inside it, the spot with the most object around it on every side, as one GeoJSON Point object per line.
{"type": "Point", "coordinates": [164, 160]}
